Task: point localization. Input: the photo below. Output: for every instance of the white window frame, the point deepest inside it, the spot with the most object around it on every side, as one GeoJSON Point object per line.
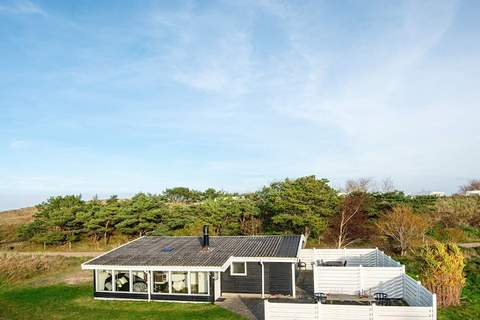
{"type": "Point", "coordinates": [238, 274]}
{"type": "Point", "coordinates": [151, 282]}
{"type": "Point", "coordinates": [97, 271]}
{"type": "Point", "coordinates": [131, 281]}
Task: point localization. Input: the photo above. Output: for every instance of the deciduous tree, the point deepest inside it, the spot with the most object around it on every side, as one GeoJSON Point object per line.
{"type": "Point", "coordinates": [404, 227]}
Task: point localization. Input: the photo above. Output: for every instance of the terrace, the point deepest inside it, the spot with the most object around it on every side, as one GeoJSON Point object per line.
{"type": "Point", "coordinates": [353, 284]}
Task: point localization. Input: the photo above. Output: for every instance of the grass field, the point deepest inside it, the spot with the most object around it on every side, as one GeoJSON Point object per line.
{"type": "Point", "coordinates": [35, 287]}
{"type": "Point", "coordinates": [76, 303]}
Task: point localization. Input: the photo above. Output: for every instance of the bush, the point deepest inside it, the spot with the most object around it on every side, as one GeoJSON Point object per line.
{"type": "Point", "coordinates": [441, 271]}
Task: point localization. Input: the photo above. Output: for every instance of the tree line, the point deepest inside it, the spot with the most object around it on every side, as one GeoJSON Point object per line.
{"type": "Point", "coordinates": [306, 205]}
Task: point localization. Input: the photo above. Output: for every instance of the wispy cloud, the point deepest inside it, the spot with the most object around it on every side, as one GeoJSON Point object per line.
{"type": "Point", "coordinates": [23, 7]}
{"type": "Point", "coordinates": [18, 144]}
{"type": "Point", "coordinates": [236, 94]}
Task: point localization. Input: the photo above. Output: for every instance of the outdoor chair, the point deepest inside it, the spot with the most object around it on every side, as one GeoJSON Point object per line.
{"type": "Point", "coordinates": [320, 297]}
{"type": "Point", "coordinates": [302, 265]}
{"type": "Point", "coordinates": [381, 298]}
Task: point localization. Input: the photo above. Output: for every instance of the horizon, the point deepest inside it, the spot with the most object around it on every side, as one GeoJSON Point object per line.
{"type": "Point", "coordinates": [120, 98]}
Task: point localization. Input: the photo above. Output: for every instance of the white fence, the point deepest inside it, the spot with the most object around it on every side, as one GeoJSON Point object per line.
{"type": "Point", "coordinates": [356, 280]}
{"type": "Point", "coordinates": [367, 271]}
{"type": "Point", "coordinates": [415, 294]}
{"type": "Point", "coordinates": [317, 311]}
{"type": "Point", "coordinates": [354, 257]}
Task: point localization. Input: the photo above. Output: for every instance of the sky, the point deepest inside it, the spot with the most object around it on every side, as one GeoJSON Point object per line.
{"type": "Point", "coordinates": [118, 97]}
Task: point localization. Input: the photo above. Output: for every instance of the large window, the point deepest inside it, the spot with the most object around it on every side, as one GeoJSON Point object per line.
{"type": "Point", "coordinates": [140, 280]}
{"type": "Point", "coordinates": [199, 282]}
{"type": "Point", "coordinates": [122, 281]}
{"type": "Point", "coordinates": [160, 282]}
{"type": "Point", "coordinates": [238, 269]}
{"type": "Point", "coordinates": [179, 282]}
{"type": "Point", "coordinates": [104, 280]}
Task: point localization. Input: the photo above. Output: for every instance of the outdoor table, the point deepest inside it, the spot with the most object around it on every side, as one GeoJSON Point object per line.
{"type": "Point", "coordinates": [336, 263]}
{"type": "Point", "coordinates": [350, 297]}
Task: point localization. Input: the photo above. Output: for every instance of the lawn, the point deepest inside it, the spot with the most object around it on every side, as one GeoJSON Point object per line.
{"type": "Point", "coordinates": [76, 302]}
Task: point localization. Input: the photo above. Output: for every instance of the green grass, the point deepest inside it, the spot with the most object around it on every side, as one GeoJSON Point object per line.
{"type": "Point", "coordinates": [76, 302]}
{"type": "Point", "coordinates": [469, 310]}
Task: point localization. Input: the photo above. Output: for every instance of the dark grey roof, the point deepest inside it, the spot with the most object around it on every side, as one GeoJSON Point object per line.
{"type": "Point", "coordinates": [187, 251]}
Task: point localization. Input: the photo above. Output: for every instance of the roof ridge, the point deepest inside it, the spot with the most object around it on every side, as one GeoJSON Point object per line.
{"type": "Point", "coordinates": [242, 236]}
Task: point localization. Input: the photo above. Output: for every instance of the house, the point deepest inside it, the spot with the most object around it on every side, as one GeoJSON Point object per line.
{"type": "Point", "coordinates": [473, 193]}
{"type": "Point", "coordinates": [197, 269]}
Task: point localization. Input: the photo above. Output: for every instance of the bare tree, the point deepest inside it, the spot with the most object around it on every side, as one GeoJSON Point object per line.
{"type": "Point", "coordinates": [387, 185]}
{"type": "Point", "coordinates": [473, 184]}
{"type": "Point", "coordinates": [403, 226]}
{"type": "Point", "coordinates": [350, 224]}
{"type": "Point", "coordinates": [358, 185]}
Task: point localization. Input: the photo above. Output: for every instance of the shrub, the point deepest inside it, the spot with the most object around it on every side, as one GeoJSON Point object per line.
{"type": "Point", "coordinates": [441, 271]}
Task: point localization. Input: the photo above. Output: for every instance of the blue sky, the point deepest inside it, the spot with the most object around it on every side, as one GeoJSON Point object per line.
{"type": "Point", "coordinates": [116, 97]}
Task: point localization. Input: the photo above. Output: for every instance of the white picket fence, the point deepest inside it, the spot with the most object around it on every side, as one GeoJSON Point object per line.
{"type": "Point", "coordinates": [354, 257]}
{"type": "Point", "coordinates": [317, 311]}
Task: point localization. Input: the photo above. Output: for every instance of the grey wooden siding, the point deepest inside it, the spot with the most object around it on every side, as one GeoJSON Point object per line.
{"type": "Point", "coordinates": [277, 279]}
{"type": "Point", "coordinates": [280, 278]}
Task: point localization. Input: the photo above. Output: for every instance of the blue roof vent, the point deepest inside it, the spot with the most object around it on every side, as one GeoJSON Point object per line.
{"type": "Point", "coordinates": [167, 249]}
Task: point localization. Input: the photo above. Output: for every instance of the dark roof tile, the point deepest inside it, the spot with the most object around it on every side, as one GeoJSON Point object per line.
{"type": "Point", "coordinates": [187, 251]}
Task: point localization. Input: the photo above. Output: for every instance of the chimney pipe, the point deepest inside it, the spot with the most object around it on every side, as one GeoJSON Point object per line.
{"type": "Point", "coordinates": [206, 237]}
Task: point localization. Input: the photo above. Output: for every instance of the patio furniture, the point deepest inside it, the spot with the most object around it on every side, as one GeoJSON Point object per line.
{"type": "Point", "coordinates": [336, 263]}
{"type": "Point", "coordinates": [320, 296]}
{"type": "Point", "coordinates": [350, 298]}
{"type": "Point", "coordinates": [381, 298]}
{"type": "Point", "coordinates": [302, 265]}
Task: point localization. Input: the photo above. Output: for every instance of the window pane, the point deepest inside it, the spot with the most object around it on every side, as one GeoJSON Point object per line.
{"type": "Point", "coordinates": [122, 281]}
{"type": "Point", "coordinates": [238, 267]}
{"type": "Point", "coordinates": [179, 282]}
{"type": "Point", "coordinates": [104, 280]}
{"type": "Point", "coordinates": [160, 281]}
{"type": "Point", "coordinates": [139, 281]}
{"type": "Point", "coordinates": [199, 282]}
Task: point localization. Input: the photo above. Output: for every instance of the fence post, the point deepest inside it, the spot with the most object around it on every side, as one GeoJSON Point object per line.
{"type": "Point", "coordinates": [376, 257]}
{"type": "Point", "coordinates": [372, 311]}
{"type": "Point", "coordinates": [344, 253]}
{"type": "Point", "coordinates": [265, 308]}
{"type": "Point", "coordinates": [314, 258]}
{"type": "Point", "coordinates": [360, 270]}
{"type": "Point", "coordinates": [318, 310]}
{"type": "Point", "coordinates": [434, 306]}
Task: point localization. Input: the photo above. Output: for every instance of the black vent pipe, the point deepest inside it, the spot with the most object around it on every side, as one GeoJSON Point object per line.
{"type": "Point", "coordinates": [206, 237]}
